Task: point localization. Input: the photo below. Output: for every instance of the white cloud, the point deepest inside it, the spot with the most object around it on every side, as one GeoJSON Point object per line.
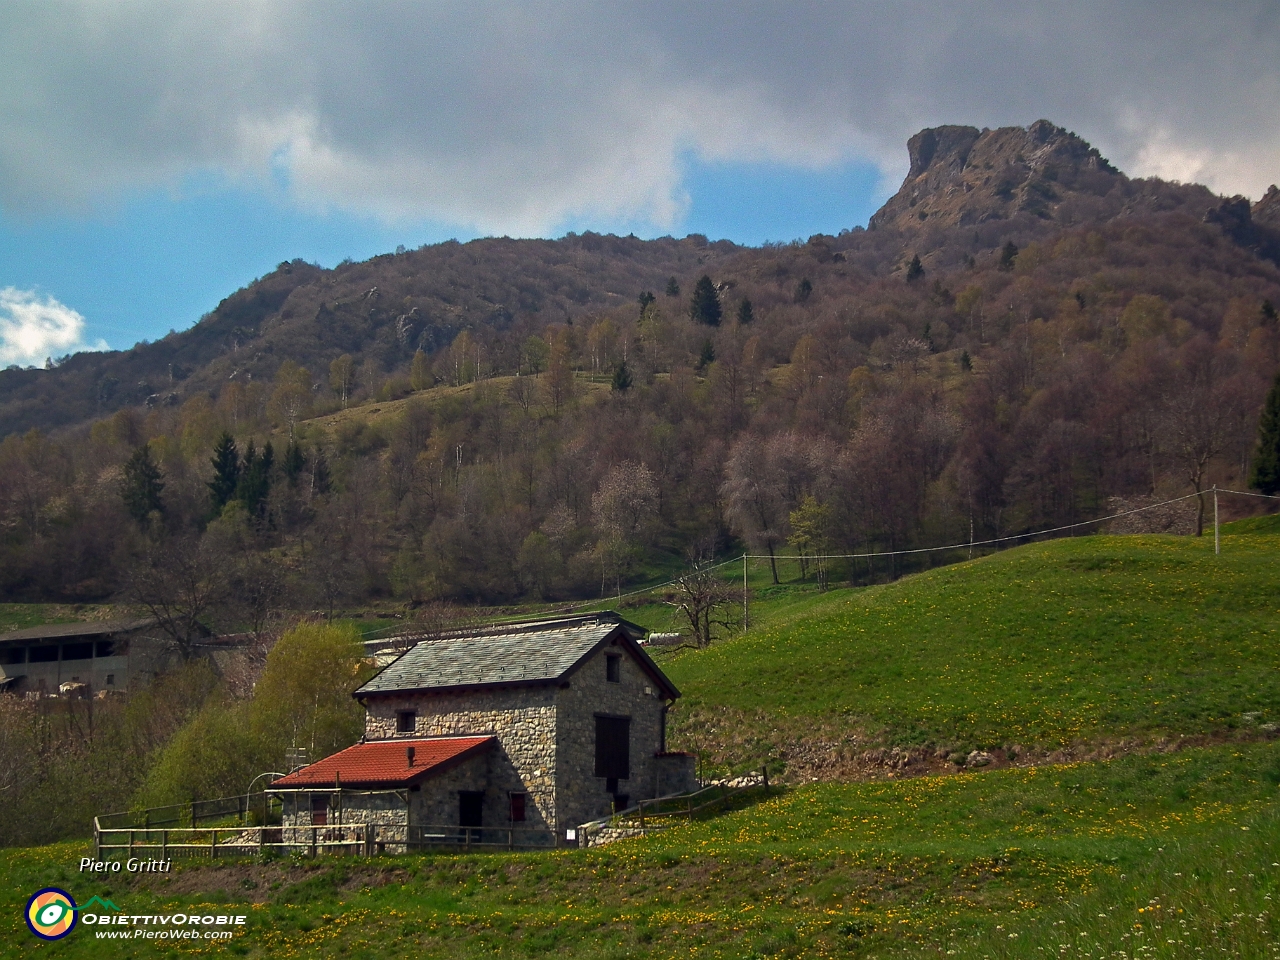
{"type": "Point", "coordinates": [34, 328]}
{"type": "Point", "coordinates": [514, 118]}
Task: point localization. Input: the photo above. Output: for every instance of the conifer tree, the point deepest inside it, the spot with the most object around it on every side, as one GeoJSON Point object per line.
{"type": "Point", "coordinates": [704, 307]}
{"type": "Point", "coordinates": [673, 288]}
{"type": "Point", "coordinates": [745, 313]}
{"type": "Point", "coordinates": [255, 479]}
{"type": "Point", "coordinates": [915, 270]}
{"type": "Point", "coordinates": [226, 472]}
{"type": "Point", "coordinates": [621, 378]}
{"type": "Point", "coordinates": [142, 486]}
{"type": "Point", "coordinates": [294, 461]}
{"type": "Point", "coordinates": [1266, 461]}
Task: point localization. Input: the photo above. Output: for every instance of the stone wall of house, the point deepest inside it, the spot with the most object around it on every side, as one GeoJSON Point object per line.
{"type": "Point", "coordinates": [524, 721]}
{"type": "Point", "coordinates": [384, 808]}
{"type": "Point", "coordinates": [675, 773]}
{"type": "Point", "coordinates": [582, 796]}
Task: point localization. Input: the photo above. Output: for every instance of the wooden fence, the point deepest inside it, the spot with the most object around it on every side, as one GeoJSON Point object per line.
{"type": "Point", "coordinates": [355, 839]}
{"type": "Point", "coordinates": [659, 813]}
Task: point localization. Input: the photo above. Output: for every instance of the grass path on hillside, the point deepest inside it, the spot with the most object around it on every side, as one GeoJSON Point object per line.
{"type": "Point", "coordinates": [1104, 857]}
{"type": "Point", "coordinates": [1046, 645]}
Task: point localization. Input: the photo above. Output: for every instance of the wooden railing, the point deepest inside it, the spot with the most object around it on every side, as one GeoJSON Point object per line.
{"type": "Point", "coordinates": [660, 812]}
{"type": "Point", "coordinates": [355, 839]}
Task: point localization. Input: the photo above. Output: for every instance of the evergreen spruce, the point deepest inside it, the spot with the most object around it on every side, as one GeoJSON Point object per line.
{"type": "Point", "coordinates": [915, 270]}
{"type": "Point", "coordinates": [704, 307]}
{"type": "Point", "coordinates": [255, 479]}
{"type": "Point", "coordinates": [226, 472]}
{"type": "Point", "coordinates": [804, 289]}
{"type": "Point", "coordinates": [646, 299]}
{"type": "Point", "coordinates": [1266, 461]}
{"type": "Point", "coordinates": [294, 461]}
{"type": "Point", "coordinates": [1008, 255]}
{"type": "Point", "coordinates": [673, 288]}
{"type": "Point", "coordinates": [142, 486]}
{"type": "Point", "coordinates": [621, 378]}
{"type": "Point", "coordinates": [745, 313]}
{"type": "Point", "coordinates": [707, 356]}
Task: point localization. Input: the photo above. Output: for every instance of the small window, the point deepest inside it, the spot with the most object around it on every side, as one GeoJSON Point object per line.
{"type": "Point", "coordinates": [15, 655]}
{"type": "Point", "coordinates": [111, 679]}
{"type": "Point", "coordinates": [613, 668]}
{"type": "Point", "coordinates": [319, 810]}
{"type": "Point", "coordinates": [406, 721]}
{"type": "Point", "coordinates": [104, 648]}
{"type": "Point", "coordinates": [517, 807]}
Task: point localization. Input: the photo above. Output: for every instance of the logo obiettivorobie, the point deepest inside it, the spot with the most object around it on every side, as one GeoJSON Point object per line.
{"type": "Point", "coordinates": [51, 913]}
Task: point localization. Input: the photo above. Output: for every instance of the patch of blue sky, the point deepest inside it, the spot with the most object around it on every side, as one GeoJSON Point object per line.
{"type": "Point", "coordinates": [157, 261]}
{"type": "Point", "coordinates": [161, 260]}
{"type": "Point", "coordinates": [756, 203]}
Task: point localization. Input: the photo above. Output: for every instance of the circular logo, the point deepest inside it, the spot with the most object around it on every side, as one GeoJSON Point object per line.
{"type": "Point", "coordinates": [51, 913]}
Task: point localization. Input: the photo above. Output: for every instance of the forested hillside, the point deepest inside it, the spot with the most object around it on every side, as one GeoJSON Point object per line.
{"type": "Point", "coordinates": [1022, 334]}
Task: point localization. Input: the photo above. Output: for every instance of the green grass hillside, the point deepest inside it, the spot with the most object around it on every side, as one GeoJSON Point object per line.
{"type": "Point", "coordinates": [1080, 641]}
{"type": "Point", "coordinates": [1158, 856]}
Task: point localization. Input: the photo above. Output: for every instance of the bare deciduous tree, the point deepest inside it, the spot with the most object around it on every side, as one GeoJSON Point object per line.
{"type": "Point", "coordinates": [706, 602]}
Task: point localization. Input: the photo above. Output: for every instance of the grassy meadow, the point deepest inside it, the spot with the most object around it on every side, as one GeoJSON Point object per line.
{"type": "Point", "coordinates": [1077, 642]}
{"type": "Point", "coordinates": [1149, 655]}
{"type": "Point", "coordinates": [1145, 856]}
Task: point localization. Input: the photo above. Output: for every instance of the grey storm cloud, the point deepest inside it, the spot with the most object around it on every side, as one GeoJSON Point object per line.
{"type": "Point", "coordinates": [515, 118]}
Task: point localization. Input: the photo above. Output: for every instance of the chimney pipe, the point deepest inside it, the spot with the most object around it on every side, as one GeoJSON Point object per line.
{"type": "Point", "coordinates": [408, 752]}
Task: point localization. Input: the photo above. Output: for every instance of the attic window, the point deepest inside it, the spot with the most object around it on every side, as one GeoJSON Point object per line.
{"type": "Point", "coordinates": [406, 721]}
{"type": "Point", "coordinates": [613, 668]}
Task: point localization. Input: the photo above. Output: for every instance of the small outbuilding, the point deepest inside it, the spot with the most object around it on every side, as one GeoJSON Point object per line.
{"type": "Point", "coordinates": [86, 657]}
{"type": "Point", "coordinates": [536, 727]}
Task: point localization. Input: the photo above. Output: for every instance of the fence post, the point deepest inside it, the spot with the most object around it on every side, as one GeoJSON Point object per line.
{"type": "Point", "coordinates": [313, 841]}
{"type": "Point", "coordinates": [262, 836]}
{"type": "Point", "coordinates": [97, 840]}
{"type": "Point", "coordinates": [131, 843]}
{"type": "Point", "coordinates": [164, 844]}
{"type": "Point", "coordinates": [764, 772]}
{"type": "Point", "coordinates": [511, 838]}
{"type": "Point", "coordinates": [213, 846]}
{"type": "Point", "coordinates": [640, 807]}
{"type": "Point", "coordinates": [368, 838]}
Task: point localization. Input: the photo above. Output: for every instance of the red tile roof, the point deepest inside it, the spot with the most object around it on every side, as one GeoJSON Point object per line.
{"type": "Point", "coordinates": [385, 763]}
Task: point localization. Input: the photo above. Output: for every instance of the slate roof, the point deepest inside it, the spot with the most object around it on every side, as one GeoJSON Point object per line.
{"type": "Point", "coordinates": [537, 652]}
{"type": "Point", "coordinates": [385, 763]}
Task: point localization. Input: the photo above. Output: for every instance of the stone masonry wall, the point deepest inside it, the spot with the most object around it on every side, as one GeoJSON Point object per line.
{"type": "Point", "coordinates": [582, 795]}
{"type": "Point", "coordinates": [524, 721]}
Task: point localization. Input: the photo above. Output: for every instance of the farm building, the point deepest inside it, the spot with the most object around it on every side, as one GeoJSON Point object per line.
{"type": "Point", "coordinates": [91, 657]}
{"type": "Point", "coordinates": [538, 727]}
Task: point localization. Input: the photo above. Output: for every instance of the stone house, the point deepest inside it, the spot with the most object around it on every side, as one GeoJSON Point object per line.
{"type": "Point", "coordinates": [540, 726]}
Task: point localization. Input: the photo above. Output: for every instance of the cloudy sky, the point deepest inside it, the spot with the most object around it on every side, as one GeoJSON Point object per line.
{"type": "Point", "coordinates": [156, 156]}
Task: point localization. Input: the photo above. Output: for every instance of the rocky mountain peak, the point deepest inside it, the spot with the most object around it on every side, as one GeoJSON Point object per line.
{"type": "Point", "coordinates": [962, 175]}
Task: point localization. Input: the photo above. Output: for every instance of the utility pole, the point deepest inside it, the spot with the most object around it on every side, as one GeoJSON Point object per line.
{"type": "Point", "coordinates": [1217, 542]}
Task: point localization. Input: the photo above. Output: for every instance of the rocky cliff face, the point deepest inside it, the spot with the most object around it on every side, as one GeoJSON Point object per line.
{"type": "Point", "coordinates": [1267, 210]}
{"type": "Point", "coordinates": [962, 176]}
